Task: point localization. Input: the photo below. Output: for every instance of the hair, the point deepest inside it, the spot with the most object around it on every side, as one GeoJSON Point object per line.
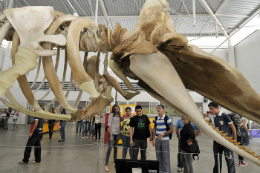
{"type": "Point", "coordinates": [161, 106]}
{"type": "Point", "coordinates": [128, 108]}
{"type": "Point", "coordinates": [215, 105]}
{"type": "Point", "coordinates": [113, 109]}
{"type": "Point", "coordinates": [138, 107]}
{"type": "Point", "coordinates": [64, 111]}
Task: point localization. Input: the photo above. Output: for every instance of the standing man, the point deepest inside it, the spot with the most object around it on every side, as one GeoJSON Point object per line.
{"type": "Point", "coordinates": [34, 140]}
{"type": "Point", "coordinates": [179, 127]}
{"type": "Point", "coordinates": [223, 122]}
{"type": "Point", "coordinates": [161, 135]}
{"type": "Point", "coordinates": [143, 130]}
{"type": "Point", "coordinates": [7, 116]}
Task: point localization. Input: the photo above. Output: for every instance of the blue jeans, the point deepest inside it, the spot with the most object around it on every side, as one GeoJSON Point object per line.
{"type": "Point", "coordinates": [51, 126]}
{"type": "Point", "coordinates": [245, 137]}
{"type": "Point", "coordinates": [14, 123]}
{"type": "Point", "coordinates": [79, 126]}
{"type": "Point", "coordinates": [126, 146]}
{"type": "Point", "coordinates": [180, 165]}
{"type": "Point", "coordinates": [62, 130]}
{"type": "Point", "coordinates": [85, 128]}
{"type": "Point", "coordinates": [162, 150]}
{"type": "Point", "coordinates": [116, 139]}
{"type": "Point", "coordinates": [229, 156]}
{"type": "Point", "coordinates": [6, 123]}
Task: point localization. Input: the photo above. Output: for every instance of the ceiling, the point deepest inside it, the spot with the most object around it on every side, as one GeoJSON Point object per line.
{"type": "Point", "coordinates": [229, 13]}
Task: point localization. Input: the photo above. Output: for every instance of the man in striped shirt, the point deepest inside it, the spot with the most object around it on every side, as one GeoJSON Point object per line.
{"type": "Point", "coordinates": [161, 139]}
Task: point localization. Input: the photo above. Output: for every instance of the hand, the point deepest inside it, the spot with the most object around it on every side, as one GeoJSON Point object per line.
{"type": "Point", "coordinates": [153, 143]}
{"type": "Point", "coordinates": [159, 137]}
{"type": "Point", "coordinates": [151, 138]}
{"type": "Point", "coordinates": [190, 143]}
{"type": "Point", "coordinates": [249, 134]}
{"type": "Point", "coordinates": [179, 137]}
{"type": "Point", "coordinates": [132, 143]}
{"type": "Point", "coordinates": [111, 138]}
{"type": "Point", "coordinates": [30, 135]}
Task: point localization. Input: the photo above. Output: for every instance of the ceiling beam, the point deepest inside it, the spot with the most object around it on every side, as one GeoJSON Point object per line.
{"type": "Point", "coordinates": [206, 6]}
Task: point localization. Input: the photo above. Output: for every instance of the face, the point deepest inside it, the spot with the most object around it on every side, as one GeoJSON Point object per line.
{"type": "Point", "coordinates": [160, 109]}
{"type": "Point", "coordinates": [116, 109]}
{"type": "Point", "coordinates": [213, 110]}
{"type": "Point", "coordinates": [61, 109]}
{"type": "Point", "coordinates": [185, 120]}
{"type": "Point", "coordinates": [139, 112]}
{"type": "Point", "coordinates": [51, 111]}
{"type": "Point", "coordinates": [128, 112]}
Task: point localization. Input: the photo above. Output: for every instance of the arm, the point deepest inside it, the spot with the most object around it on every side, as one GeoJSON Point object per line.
{"type": "Point", "coordinates": [101, 116]}
{"type": "Point", "coordinates": [233, 131]}
{"type": "Point", "coordinates": [154, 130]}
{"type": "Point", "coordinates": [245, 127]}
{"type": "Point", "coordinates": [177, 133]}
{"type": "Point", "coordinates": [191, 136]}
{"type": "Point", "coordinates": [131, 136]}
{"type": "Point", "coordinates": [34, 127]}
{"type": "Point", "coordinates": [198, 133]}
{"type": "Point", "coordinates": [150, 130]}
{"type": "Point", "coordinates": [109, 126]}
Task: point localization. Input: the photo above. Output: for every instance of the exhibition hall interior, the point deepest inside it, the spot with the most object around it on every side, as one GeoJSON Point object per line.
{"type": "Point", "coordinates": [130, 86]}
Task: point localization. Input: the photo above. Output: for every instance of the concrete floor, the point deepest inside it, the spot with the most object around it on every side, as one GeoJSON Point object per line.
{"type": "Point", "coordinates": [80, 155]}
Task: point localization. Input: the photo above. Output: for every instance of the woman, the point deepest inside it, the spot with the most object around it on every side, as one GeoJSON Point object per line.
{"type": "Point", "coordinates": [50, 125]}
{"type": "Point", "coordinates": [98, 117]}
{"type": "Point", "coordinates": [15, 118]}
{"type": "Point", "coordinates": [114, 126]}
{"type": "Point", "coordinates": [187, 145]}
{"type": "Point", "coordinates": [245, 139]}
{"type": "Point", "coordinates": [126, 133]}
{"type": "Point", "coordinates": [62, 126]}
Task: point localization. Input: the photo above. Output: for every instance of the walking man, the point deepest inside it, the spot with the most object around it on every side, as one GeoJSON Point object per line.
{"type": "Point", "coordinates": [162, 132]}
{"type": "Point", "coordinates": [142, 130]}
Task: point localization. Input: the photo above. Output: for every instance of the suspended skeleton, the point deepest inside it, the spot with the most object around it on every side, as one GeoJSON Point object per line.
{"type": "Point", "coordinates": [153, 53]}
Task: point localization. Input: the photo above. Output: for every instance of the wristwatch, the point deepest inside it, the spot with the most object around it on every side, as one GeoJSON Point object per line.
{"type": "Point", "coordinates": [162, 134]}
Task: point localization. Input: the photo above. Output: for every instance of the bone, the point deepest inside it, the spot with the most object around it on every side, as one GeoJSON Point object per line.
{"type": "Point", "coordinates": [167, 83]}
{"type": "Point", "coordinates": [3, 30]}
{"type": "Point", "coordinates": [81, 79]}
{"type": "Point", "coordinates": [49, 69]}
{"type": "Point", "coordinates": [39, 87]}
{"type": "Point", "coordinates": [56, 68]}
{"type": "Point", "coordinates": [2, 16]}
{"type": "Point", "coordinates": [76, 104]}
{"type": "Point", "coordinates": [215, 79]}
{"type": "Point", "coordinates": [37, 73]}
{"type": "Point", "coordinates": [97, 70]}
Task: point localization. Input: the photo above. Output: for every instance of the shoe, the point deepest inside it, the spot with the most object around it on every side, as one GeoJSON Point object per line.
{"type": "Point", "coordinates": [34, 162]}
{"type": "Point", "coordinates": [91, 137]}
{"type": "Point", "coordinates": [99, 140]}
{"type": "Point", "coordinates": [83, 136]}
{"type": "Point", "coordinates": [48, 140]}
{"type": "Point", "coordinates": [242, 163]}
{"type": "Point", "coordinates": [107, 168]}
{"type": "Point", "coordinates": [94, 136]}
{"type": "Point", "coordinates": [95, 139]}
{"type": "Point", "coordinates": [179, 169]}
{"type": "Point", "coordinates": [236, 163]}
{"type": "Point", "coordinates": [21, 162]}
{"type": "Point", "coordinates": [61, 140]}
{"type": "Point", "coordinates": [12, 129]}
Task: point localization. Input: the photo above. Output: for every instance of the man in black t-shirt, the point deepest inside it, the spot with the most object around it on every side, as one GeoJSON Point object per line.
{"type": "Point", "coordinates": [224, 123]}
{"type": "Point", "coordinates": [7, 116]}
{"type": "Point", "coordinates": [142, 130]}
{"type": "Point", "coordinates": [35, 138]}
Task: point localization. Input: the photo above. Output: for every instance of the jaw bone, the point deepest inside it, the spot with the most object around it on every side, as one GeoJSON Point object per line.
{"type": "Point", "coordinates": [166, 82]}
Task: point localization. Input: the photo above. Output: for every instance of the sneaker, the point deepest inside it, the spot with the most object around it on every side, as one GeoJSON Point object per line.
{"type": "Point", "coordinates": [34, 162]}
{"type": "Point", "coordinates": [179, 169]}
{"type": "Point", "coordinates": [99, 140]}
{"type": "Point", "coordinates": [106, 168]}
{"type": "Point", "coordinates": [83, 136]}
{"type": "Point", "coordinates": [94, 136]}
{"type": "Point", "coordinates": [242, 163]}
{"type": "Point", "coordinates": [236, 163]}
{"type": "Point", "coordinates": [91, 137]}
{"type": "Point", "coordinates": [21, 162]}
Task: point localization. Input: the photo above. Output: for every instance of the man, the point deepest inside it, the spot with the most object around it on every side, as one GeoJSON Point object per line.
{"type": "Point", "coordinates": [34, 140]}
{"type": "Point", "coordinates": [223, 122]}
{"type": "Point", "coordinates": [179, 127]}
{"type": "Point", "coordinates": [161, 139]}
{"type": "Point", "coordinates": [143, 130]}
{"type": "Point", "coordinates": [7, 116]}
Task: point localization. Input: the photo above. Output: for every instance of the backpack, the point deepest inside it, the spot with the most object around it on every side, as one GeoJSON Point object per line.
{"type": "Point", "coordinates": [237, 123]}
{"type": "Point", "coordinates": [167, 125]}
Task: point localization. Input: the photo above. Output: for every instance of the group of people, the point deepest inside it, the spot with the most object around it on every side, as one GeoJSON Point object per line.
{"type": "Point", "coordinates": [136, 130]}
{"type": "Point", "coordinates": [90, 127]}
{"type": "Point", "coordinates": [8, 113]}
